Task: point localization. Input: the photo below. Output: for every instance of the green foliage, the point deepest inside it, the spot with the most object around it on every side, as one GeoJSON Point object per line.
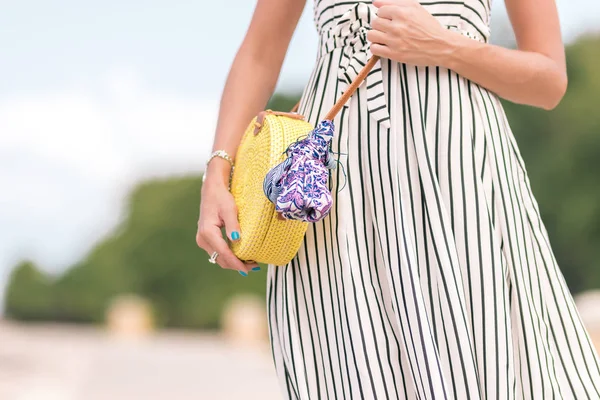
{"type": "Point", "coordinates": [29, 295]}
{"type": "Point", "coordinates": [561, 149]}
{"type": "Point", "coordinates": [153, 252]}
{"type": "Point", "coordinates": [283, 102]}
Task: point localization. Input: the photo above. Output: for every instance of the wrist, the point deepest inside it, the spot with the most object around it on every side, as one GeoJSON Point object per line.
{"type": "Point", "coordinates": [454, 44]}
{"type": "Point", "coordinates": [217, 172]}
{"type": "Point", "coordinates": [215, 182]}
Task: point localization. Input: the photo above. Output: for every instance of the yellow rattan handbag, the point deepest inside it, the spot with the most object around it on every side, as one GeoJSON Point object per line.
{"type": "Point", "coordinates": [265, 236]}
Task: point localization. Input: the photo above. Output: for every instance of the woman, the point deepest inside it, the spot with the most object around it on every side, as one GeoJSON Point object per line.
{"type": "Point", "coordinates": [433, 276]}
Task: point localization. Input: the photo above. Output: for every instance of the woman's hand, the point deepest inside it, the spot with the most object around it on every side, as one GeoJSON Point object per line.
{"type": "Point", "coordinates": [250, 83]}
{"type": "Point", "coordinates": [218, 209]}
{"type": "Point", "coordinates": [405, 32]}
{"type": "Point", "coordinates": [534, 74]}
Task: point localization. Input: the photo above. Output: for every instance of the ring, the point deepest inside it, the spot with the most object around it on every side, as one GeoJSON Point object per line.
{"type": "Point", "coordinates": [213, 258]}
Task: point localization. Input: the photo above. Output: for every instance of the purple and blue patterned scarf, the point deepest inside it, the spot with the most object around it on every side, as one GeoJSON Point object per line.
{"type": "Point", "coordinates": [298, 185]}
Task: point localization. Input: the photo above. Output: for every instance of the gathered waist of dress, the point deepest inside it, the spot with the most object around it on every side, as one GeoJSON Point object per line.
{"type": "Point", "coordinates": [350, 30]}
{"type": "Point", "coordinates": [349, 34]}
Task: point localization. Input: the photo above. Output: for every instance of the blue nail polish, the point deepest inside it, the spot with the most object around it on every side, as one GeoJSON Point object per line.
{"type": "Point", "coordinates": [242, 273]}
{"type": "Point", "coordinates": [256, 269]}
{"type": "Point", "coordinates": [235, 235]}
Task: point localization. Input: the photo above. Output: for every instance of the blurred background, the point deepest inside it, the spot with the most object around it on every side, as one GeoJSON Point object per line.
{"type": "Point", "coordinates": [107, 113]}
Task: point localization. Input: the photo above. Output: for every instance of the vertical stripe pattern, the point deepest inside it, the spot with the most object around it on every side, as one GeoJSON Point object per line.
{"type": "Point", "coordinates": [433, 276]}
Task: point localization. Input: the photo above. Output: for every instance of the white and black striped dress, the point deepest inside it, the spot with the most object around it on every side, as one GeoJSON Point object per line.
{"type": "Point", "coordinates": [433, 276]}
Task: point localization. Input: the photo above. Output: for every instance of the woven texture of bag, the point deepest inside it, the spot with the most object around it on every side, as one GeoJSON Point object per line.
{"type": "Point", "coordinates": [265, 238]}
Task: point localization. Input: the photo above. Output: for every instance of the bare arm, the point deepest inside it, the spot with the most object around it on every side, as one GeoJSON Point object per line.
{"type": "Point", "coordinates": [250, 83]}
{"type": "Point", "coordinates": [534, 74]}
{"type": "Point", "coordinates": [253, 75]}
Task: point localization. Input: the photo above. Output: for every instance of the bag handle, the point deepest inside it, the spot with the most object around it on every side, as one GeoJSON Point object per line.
{"type": "Point", "coordinates": [362, 75]}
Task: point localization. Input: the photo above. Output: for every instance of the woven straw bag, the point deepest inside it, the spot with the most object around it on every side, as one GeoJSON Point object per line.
{"type": "Point", "coordinates": [265, 236]}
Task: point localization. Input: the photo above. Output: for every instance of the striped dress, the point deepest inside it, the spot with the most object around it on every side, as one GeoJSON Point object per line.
{"type": "Point", "coordinates": [433, 276]}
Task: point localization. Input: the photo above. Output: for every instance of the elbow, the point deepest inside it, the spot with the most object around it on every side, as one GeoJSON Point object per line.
{"type": "Point", "coordinates": [555, 92]}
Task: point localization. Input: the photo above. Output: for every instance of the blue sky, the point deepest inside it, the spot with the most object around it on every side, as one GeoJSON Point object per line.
{"type": "Point", "coordinates": [173, 44]}
{"type": "Point", "coordinates": [95, 96]}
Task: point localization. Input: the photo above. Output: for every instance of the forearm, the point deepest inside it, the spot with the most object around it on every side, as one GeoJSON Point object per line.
{"type": "Point", "coordinates": [523, 77]}
{"type": "Point", "coordinates": [250, 83]}
{"type": "Point", "coordinates": [252, 77]}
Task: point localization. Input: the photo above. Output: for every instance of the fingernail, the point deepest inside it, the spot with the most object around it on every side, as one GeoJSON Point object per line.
{"type": "Point", "coordinates": [256, 269]}
{"type": "Point", "coordinates": [235, 235]}
{"type": "Point", "coordinates": [242, 273]}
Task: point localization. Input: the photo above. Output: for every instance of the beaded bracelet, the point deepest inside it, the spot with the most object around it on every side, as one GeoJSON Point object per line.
{"type": "Point", "coordinates": [221, 154]}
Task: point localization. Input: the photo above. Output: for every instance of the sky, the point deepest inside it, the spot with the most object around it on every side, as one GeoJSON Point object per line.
{"type": "Point", "coordinates": [96, 96]}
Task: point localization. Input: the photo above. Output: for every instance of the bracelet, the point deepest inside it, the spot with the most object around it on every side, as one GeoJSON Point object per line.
{"type": "Point", "coordinates": [221, 154]}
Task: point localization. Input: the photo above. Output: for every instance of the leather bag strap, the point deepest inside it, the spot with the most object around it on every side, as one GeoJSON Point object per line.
{"type": "Point", "coordinates": [362, 75]}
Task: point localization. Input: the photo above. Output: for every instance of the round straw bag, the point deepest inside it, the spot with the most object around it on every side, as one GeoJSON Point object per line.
{"type": "Point", "coordinates": [265, 236]}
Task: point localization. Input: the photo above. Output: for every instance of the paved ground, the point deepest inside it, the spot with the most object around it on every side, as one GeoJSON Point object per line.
{"type": "Point", "coordinates": [76, 363]}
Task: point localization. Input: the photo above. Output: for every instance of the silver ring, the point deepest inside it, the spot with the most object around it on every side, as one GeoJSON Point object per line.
{"type": "Point", "coordinates": [213, 258]}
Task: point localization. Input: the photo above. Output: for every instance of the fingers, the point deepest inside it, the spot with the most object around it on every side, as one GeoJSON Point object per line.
{"type": "Point", "coordinates": [203, 243]}
{"type": "Point", "coordinates": [229, 215]}
{"type": "Point", "coordinates": [212, 238]}
{"type": "Point", "coordinates": [213, 215]}
{"type": "Point", "coordinates": [393, 10]}
{"type": "Point", "coordinates": [253, 266]}
{"type": "Point", "coordinates": [389, 12]}
{"type": "Point", "coordinates": [375, 36]}
{"type": "Point", "coordinates": [381, 51]}
{"type": "Point", "coordinates": [381, 24]}
{"type": "Point", "coordinates": [382, 3]}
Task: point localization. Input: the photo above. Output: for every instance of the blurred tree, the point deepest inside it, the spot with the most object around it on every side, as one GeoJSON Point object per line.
{"type": "Point", "coordinates": [29, 294]}
{"type": "Point", "coordinates": [561, 149]}
{"type": "Point", "coordinates": [153, 253]}
{"type": "Point", "coordinates": [283, 102]}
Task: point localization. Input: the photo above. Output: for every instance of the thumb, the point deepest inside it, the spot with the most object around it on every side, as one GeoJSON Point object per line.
{"type": "Point", "coordinates": [229, 214]}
